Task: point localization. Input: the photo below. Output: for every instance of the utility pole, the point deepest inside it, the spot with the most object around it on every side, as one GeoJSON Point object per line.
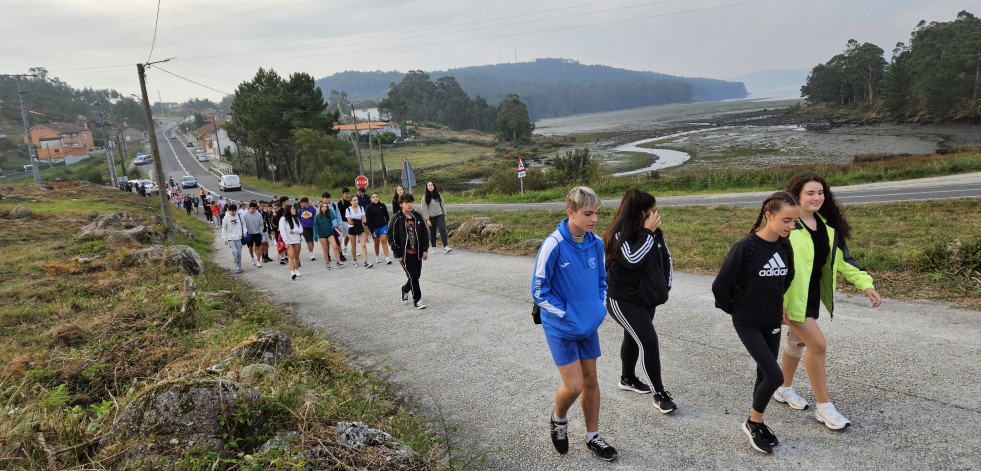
{"type": "Point", "coordinates": [217, 143]}
{"type": "Point", "coordinates": [157, 166]}
{"type": "Point", "coordinates": [122, 151]}
{"type": "Point", "coordinates": [161, 104]}
{"type": "Point", "coordinates": [381, 155]}
{"type": "Point", "coordinates": [31, 151]}
{"type": "Point", "coordinates": [105, 139]}
{"type": "Point", "coordinates": [371, 164]}
{"type": "Point", "coordinates": [357, 146]}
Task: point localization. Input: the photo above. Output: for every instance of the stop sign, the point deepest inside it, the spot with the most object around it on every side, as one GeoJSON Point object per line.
{"type": "Point", "coordinates": [361, 181]}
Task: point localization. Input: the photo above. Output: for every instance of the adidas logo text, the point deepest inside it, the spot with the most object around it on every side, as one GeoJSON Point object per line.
{"type": "Point", "coordinates": [775, 267]}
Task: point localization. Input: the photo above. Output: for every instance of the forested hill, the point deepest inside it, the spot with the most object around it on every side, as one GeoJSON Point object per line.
{"type": "Point", "coordinates": [552, 87]}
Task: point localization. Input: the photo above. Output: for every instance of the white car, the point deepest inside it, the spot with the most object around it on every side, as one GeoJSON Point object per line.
{"type": "Point", "coordinates": [143, 159]}
{"type": "Point", "coordinates": [229, 182]}
{"type": "Point", "coordinates": [202, 156]}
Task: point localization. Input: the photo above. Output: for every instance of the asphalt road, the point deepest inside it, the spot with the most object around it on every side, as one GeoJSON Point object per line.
{"type": "Point", "coordinates": [933, 188]}
{"type": "Point", "coordinates": [906, 373]}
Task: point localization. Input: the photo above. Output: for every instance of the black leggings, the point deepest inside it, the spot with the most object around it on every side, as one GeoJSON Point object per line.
{"type": "Point", "coordinates": [762, 343]}
{"type": "Point", "coordinates": [438, 224]}
{"type": "Point", "coordinates": [639, 340]}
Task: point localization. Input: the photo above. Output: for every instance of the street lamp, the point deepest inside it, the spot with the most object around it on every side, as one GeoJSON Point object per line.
{"type": "Point", "coordinates": [272, 168]}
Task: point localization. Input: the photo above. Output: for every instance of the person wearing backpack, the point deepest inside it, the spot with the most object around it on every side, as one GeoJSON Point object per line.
{"type": "Point", "coordinates": [750, 287]}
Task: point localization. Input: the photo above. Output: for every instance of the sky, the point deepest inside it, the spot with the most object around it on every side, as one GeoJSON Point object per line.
{"type": "Point", "coordinates": [218, 44]}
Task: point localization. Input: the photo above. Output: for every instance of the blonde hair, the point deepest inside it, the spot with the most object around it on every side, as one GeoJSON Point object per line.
{"type": "Point", "coordinates": [581, 197]}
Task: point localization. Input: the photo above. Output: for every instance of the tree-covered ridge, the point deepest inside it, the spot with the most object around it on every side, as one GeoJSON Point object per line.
{"type": "Point", "coordinates": [937, 75]}
{"type": "Point", "coordinates": [553, 87]}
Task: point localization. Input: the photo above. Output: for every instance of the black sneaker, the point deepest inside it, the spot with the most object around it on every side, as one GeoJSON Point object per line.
{"type": "Point", "coordinates": [756, 437]}
{"type": "Point", "coordinates": [419, 305]}
{"type": "Point", "coordinates": [603, 450]}
{"type": "Point", "coordinates": [560, 434]}
{"type": "Point", "coordinates": [663, 402]}
{"type": "Point", "coordinates": [634, 384]}
{"type": "Point", "coordinates": [343, 258]}
{"type": "Point", "coordinates": [768, 435]}
{"type": "Point", "coordinates": [405, 296]}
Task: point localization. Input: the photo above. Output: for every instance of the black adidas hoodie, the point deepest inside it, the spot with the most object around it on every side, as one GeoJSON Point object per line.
{"type": "Point", "coordinates": [642, 272]}
{"type": "Point", "coordinates": [754, 277]}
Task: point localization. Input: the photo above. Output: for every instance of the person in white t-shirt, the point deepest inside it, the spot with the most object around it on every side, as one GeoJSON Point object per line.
{"type": "Point", "coordinates": [356, 219]}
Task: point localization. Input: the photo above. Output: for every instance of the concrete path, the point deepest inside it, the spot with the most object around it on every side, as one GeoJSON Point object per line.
{"type": "Point", "coordinates": [906, 374]}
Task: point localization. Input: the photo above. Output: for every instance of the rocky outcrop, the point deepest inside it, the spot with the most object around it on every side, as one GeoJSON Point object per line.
{"type": "Point", "coordinates": [136, 236]}
{"type": "Point", "coordinates": [267, 346]}
{"type": "Point", "coordinates": [19, 212]}
{"type": "Point", "coordinates": [148, 256]}
{"type": "Point", "coordinates": [187, 260]}
{"type": "Point", "coordinates": [478, 229]}
{"type": "Point", "coordinates": [370, 442]}
{"type": "Point", "coordinates": [184, 413]}
{"type": "Point", "coordinates": [102, 225]}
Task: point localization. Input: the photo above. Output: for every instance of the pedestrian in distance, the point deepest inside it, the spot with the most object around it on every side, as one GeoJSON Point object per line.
{"type": "Point", "coordinates": [232, 232]}
{"type": "Point", "coordinates": [409, 240]}
{"type": "Point", "coordinates": [639, 275]}
{"type": "Point", "coordinates": [377, 220]}
{"type": "Point", "coordinates": [338, 221]}
{"type": "Point", "coordinates": [323, 231]}
{"type": "Point", "coordinates": [356, 219]}
{"type": "Point", "coordinates": [267, 230]}
{"type": "Point", "coordinates": [435, 213]}
{"type": "Point", "coordinates": [396, 205]}
{"type": "Point", "coordinates": [343, 205]}
{"type": "Point", "coordinates": [253, 226]}
{"type": "Point", "coordinates": [820, 253]}
{"type": "Point", "coordinates": [306, 212]}
{"type": "Point", "coordinates": [188, 205]}
{"type": "Point", "coordinates": [292, 233]}
{"type": "Point", "coordinates": [363, 199]}
{"type": "Point", "coordinates": [750, 287]}
{"type": "Point", "coordinates": [197, 205]}
{"type": "Point", "coordinates": [569, 285]}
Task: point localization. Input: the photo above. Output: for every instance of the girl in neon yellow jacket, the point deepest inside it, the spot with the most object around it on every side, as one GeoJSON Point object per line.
{"type": "Point", "coordinates": [820, 252]}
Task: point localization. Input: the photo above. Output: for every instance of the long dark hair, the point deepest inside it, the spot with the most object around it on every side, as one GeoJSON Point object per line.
{"type": "Point", "coordinates": [830, 209]}
{"type": "Point", "coordinates": [290, 216]}
{"type": "Point", "coordinates": [627, 222]}
{"type": "Point", "coordinates": [772, 204]}
{"type": "Point", "coordinates": [432, 195]}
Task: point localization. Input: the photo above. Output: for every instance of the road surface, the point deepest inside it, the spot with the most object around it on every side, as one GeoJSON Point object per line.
{"type": "Point", "coordinates": [906, 373]}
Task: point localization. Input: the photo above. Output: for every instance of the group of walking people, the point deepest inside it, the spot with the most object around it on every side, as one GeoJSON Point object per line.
{"type": "Point", "coordinates": [779, 274]}
{"type": "Point", "coordinates": [404, 234]}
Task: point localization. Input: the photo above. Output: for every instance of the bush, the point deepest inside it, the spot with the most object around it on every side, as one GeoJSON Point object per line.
{"type": "Point", "coordinates": [576, 167]}
{"type": "Point", "coordinates": [505, 181]}
{"type": "Point", "coordinates": [953, 258]}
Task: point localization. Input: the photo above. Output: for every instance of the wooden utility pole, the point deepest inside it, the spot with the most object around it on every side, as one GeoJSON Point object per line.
{"type": "Point", "coordinates": [357, 146]}
{"type": "Point", "coordinates": [381, 155]}
{"type": "Point", "coordinates": [157, 166]}
{"type": "Point", "coordinates": [371, 165]}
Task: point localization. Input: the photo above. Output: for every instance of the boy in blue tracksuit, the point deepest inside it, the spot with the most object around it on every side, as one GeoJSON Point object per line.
{"type": "Point", "coordinates": [569, 285]}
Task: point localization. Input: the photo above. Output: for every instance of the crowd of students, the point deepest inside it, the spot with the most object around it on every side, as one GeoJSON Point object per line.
{"type": "Point", "coordinates": [338, 227]}
{"type": "Point", "coordinates": [779, 274]}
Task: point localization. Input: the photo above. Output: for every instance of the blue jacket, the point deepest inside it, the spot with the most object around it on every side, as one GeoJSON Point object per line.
{"type": "Point", "coordinates": [569, 284]}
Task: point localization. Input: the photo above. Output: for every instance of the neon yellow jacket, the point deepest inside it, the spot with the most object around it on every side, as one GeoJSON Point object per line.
{"type": "Point", "coordinates": [795, 299]}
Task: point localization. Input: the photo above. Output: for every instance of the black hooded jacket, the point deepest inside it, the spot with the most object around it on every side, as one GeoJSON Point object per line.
{"type": "Point", "coordinates": [642, 272]}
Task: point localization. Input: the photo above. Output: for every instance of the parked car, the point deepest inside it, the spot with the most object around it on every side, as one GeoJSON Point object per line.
{"type": "Point", "coordinates": [202, 156]}
{"type": "Point", "coordinates": [147, 183]}
{"type": "Point", "coordinates": [229, 182]}
{"type": "Point", "coordinates": [143, 159]}
{"type": "Point", "coordinates": [190, 144]}
{"type": "Point", "coordinates": [188, 181]}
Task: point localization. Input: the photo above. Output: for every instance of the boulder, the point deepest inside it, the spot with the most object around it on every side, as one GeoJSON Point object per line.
{"type": "Point", "coordinates": [267, 345]}
{"type": "Point", "coordinates": [493, 230]}
{"type": "Point", "coordinates": [282, 441]}
{"type": "Point", "coordinates": [470, 229]}
{"type": "Point", "coordinates": [185, 233]}
{"type": "Point", "coordinates": [532, 243]}
{"type": "Point", "coordinates": [187, 259]}
{"type": "Point", "coordinates": [369, 443]}
{"type": "Point", "coordinates": [102, 225]}
{"type": "Point", "coordinates": [253, 374]}
{"type": "Point", "coordinates": [184, 413]}
{"type": "Point", "coordinates": [148, 256]}
{"type": "Point", "coordinates": [20, 211]}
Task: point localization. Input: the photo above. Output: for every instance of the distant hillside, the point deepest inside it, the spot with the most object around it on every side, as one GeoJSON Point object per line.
{"type": "Point", "coordinates": [553, 87]}
{"type": "Point", "coordinates": [774, 83]}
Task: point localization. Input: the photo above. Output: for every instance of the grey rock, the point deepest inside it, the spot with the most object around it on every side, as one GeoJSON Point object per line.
{"type": "Point", "coordinates": [187, 259]}
{"type": "Point", "coordinates": [493, 230]}
{"type": "Point", "coordinates": [188, 410]}
{"type": "Point", "coordinates": [470, 229]}
{"type": "Point", "coordinates": [252, 375]}
{"type": "Point", "coordinates": [102, 225]}
{"type": "Point", "coordinates": [267, 345]}
{"type": "Point", "coordinates": [138, 235]}
{"type": "Point", "coordinates": [186, 233]}
{"type": "Point", "coordinates": [281, 441]}
{"type": "Point", "coordinates": [532, 243]}
{"type": "Point", "coordinates": [373, 441]}
{"type": "Point", "coordinates": [20, 211]}
{"type": "Point", "coordinates": [150, 255]}
{"type": "Point", "coordinates": [359, 435]}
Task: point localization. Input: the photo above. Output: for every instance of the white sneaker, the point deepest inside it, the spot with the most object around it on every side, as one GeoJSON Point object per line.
{"type": "Point", "coordinates": [253, 262]}
{"type": "Point", "coordinates": [312, 256]}
{"type": "Point", "coordinates": [377, 260]}
{"type": "Point", "coordinates": [292, 274]}
{"type": "Point", "coordinates": [258, 264]}
{"type": "Point", "coordinates": [446, 249]}
{"type": "Point", "coordinates": [828, 415]}
{"type": "Point", "coordinates": [790, 397]}
{"type": "Point", "coordinates": [298, 273]}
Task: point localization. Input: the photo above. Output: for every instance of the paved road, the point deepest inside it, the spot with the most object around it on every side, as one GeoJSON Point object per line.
{"type": "Point", "coordinates": [933, 188]}
{"type": "Point", "coordinates": [906, 374]}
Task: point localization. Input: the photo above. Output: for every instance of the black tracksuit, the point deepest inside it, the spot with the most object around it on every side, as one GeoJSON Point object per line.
{"type": "Point", "coordinates": [377, 215]}
{"type": "Point", "coordinates": [639, 279]}
{"type": "Point", "coordinates": [754, 277]}
{"type": "Point", "coordinates": [409, 239]}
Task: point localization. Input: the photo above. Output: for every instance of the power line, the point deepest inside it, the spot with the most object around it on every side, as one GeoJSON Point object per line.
{"type": "Point", "coordinates": [192, 81]}
{"type": "Point", "coordinates": [155, 25]}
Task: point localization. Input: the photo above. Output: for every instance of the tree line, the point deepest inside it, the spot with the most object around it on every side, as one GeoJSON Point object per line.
{"type": "Point", "coordinates": [938, 74]}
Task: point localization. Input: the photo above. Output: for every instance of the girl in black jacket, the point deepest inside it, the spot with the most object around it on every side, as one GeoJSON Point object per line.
{"type": "Point", "coordinates": [750, 287]}
{"type": "Point", "coordinates": [638, 272]}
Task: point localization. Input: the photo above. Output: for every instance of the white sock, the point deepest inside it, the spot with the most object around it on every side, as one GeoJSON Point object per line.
{"type": "Point", "coordinates": [557, 420]}
{"type": "Point", "coordinates": [591, 435]}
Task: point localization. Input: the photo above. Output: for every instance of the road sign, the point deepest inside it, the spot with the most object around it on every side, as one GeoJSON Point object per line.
{"type": "Point", "coordinates": [521, 168]}
{"type": "Point", "coordinates": [408, 176]}
{"type": "Point", "coordinates": [361, 181]}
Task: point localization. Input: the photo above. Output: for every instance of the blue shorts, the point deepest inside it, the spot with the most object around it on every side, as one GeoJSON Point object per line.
{"type": "Point", "coordinates": [376, 233]}
{"type": "Point", "coordinates": [565, 351]}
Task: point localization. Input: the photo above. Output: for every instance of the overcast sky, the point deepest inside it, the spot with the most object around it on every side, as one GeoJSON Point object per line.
{"type": "Point", "coordinates": [221, 43]}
